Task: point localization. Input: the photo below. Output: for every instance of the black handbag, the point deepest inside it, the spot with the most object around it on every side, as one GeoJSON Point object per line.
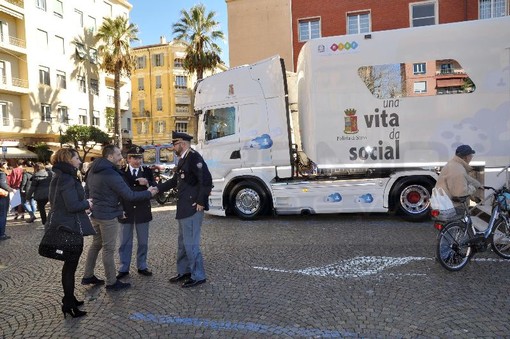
{"type": "Point", "coordinates": [60, 242]}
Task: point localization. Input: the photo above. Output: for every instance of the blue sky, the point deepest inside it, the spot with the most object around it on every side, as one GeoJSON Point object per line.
{"type": "Point", "coordinates": [155, 18]}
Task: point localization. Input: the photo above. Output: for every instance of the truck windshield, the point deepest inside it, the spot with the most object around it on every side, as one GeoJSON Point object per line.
{"type": "Point", "coordinates": [219, 122]}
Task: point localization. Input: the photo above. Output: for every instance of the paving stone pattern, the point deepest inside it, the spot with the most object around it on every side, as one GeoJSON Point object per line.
{"type": "Point", "coordinates": [284, 277]}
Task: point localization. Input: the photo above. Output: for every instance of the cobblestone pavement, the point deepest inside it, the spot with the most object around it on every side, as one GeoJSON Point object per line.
{"type": "Point", "coordinates": [317, 276]}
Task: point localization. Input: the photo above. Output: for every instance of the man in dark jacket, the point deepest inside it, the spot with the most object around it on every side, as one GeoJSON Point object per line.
{"type": "Point", "coordinates": [106, 188]}
{"type": "Point", "coordinates": [136, 214]}
{"type": "Point", "coordinates": [39, 189]}
{"type": "Point", "coordinates": [194, 183]}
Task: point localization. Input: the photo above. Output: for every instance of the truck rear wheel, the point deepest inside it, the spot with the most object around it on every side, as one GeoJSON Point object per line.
{"type": "Point", "coordinates": [248, 200]}
{"type": "Point", "coordinates": [413, 199]}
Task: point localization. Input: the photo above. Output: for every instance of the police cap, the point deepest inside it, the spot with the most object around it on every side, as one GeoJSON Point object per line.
{"type": "Point", "coordinates": [179, 136]}
{"type": "Point", "coordinates": [135, 151]}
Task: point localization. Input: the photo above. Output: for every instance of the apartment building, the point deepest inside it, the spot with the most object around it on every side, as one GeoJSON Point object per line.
{"type": "Point", "coordinates": [265, 36]}
{"type": "Point", "coordinates": [162, 93]}
{"type": "Point", "coordinates": [50, 76]}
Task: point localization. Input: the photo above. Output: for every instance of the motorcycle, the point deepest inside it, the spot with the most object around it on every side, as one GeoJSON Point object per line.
{"type": "Point", "coordinates": [161, 175]}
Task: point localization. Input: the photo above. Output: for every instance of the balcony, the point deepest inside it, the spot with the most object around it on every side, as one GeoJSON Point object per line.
{"type": "Point", "coordinates": [13, 85]}
{"type": "Point", "coordinates": [14, 8]}
{"type": "Point", "coordinates": [13, 44]}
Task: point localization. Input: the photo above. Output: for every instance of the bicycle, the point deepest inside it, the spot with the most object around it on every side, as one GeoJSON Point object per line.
{"type": "Point", "coordinates": [458, 239]}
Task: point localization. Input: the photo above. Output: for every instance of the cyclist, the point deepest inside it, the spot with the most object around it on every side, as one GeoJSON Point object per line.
{"type": "Point", "coordinates": [454, 177]}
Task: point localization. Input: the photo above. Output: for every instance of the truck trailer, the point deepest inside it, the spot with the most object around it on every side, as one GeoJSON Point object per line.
{"type": "Point", "coordinates": [364, 124]}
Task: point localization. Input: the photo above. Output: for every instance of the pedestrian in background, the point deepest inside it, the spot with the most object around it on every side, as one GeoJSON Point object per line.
{"type": "Point", "coordinates": [68, 206]}
{"type": "Point", "coordinates": [4, 201]}
{"type": "Point", "coordinates": [14, 181]}
{"type": "Point", "coordinates": [136, 214]}
{"type": "Point", "coordinates": [28, 203]}
{"type": "Point", "coordinates": [194, 183]}
{"type": "Point", "coordinates": [39, 188]}
{"type": "Point", "coordinates": [106, 187]}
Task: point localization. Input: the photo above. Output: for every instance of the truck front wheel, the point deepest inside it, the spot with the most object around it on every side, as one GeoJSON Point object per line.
{"type": "Point", "coordinates": [248, 200]}
{"type": "Point", "coordinates": [413, 200]}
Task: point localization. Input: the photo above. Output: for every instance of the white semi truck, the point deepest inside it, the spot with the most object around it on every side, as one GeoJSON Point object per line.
{"type": "Point", "coordinates": [364, 125]}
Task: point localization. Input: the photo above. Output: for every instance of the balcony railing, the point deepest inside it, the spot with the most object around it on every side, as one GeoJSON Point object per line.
{"type": "Point", "coordinates": [19, 3]}
{"type": "Point", "coordinates": [17, 42]}
{"type": "Point", "coordinates": [16, 82]}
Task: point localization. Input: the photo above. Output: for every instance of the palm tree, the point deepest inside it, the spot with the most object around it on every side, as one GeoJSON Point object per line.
{"type": "Point", "coordinates": [198, 30]}
{"type": "Point", "coordinates": [115, 36]}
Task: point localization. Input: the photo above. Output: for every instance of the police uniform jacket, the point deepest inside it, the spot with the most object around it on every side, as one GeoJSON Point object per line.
{"type": "Point", "coordinates": [194, 183]}
{"type": "Point", "coordinates": [137, 211]}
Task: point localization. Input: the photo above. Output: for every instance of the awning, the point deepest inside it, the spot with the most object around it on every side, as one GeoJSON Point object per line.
{"type": "Point", "coordinates": [450, 82]}
{"type": "Point", "coordinates": [18, 153]}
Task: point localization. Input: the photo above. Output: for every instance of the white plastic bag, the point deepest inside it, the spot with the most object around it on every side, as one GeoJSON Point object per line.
{"type": "Point", "coordinates": [440, 201]}
{"type": "Point", "coordinates": [15, 199]}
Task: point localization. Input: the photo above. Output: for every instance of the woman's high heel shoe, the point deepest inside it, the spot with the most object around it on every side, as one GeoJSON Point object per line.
{"type": "Point", "coordinates": [73, 311]}
{"type": "Point", "coordinates": [76, 302]}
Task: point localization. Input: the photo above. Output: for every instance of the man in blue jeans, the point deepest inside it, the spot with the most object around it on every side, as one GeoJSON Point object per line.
{"type": "Point", "coordinates": [105, 186]}
{"type": "Point", "coordinates": [137, 215]}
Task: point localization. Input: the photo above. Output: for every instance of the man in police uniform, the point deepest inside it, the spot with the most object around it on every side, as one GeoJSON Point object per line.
{"type": "Point", "coordinates": [194, 183]}
{"type": "Point", "coordinates": [136, 214]}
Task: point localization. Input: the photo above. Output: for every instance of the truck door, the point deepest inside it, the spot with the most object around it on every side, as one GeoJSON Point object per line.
{"type": "Point", "coordinates": [221, 141]}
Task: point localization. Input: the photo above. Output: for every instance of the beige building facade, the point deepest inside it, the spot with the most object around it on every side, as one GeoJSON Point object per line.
{"type": "Point", "coordinates": [50, 76]}
{"type": "Point", "coordinates": [259, 29]}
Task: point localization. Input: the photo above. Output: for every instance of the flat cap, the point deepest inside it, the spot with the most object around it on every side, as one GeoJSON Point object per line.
{"type": "Point", "coordinates": [135, 151]}
{"type": "Point", "coordinates": [464, 150]}
{"type": "Point", "coordinates": [179, 136]}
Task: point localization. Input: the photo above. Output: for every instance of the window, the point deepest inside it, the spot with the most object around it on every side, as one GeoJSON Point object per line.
{"type": "Point", "coordinates": [93, 55]}
{"type": "Point", "coordinates": [42, 38]}
{"type": "Point", "coordinates": [181, 127]}
{"type": "Point", "coordinates": [492, 8]}
{"type": "Point", "coordinates": [91, 24]}
{"type": "Point", "coordinates": [128, 124]}
{"type": "Point", "coordinates": [159, 103]}
{"type": "Point", "coordinates": [141, 128]}
{"type": "Point", "coordinates": [59, 44]}
{"type": "Point", "coordinates": [420, 87]}
{"type": "Point", "coordinates": [61, 80]}
{"type": "Point", "coordinates": [58, 9]}
{"type": "Point", "coordinates": [141, 107]}
{"type": "Point", "coordinates": [82, 86]}
{"type": "Point", "coordinates": [140, 62]}
{"type": "Point", "coordinates": [423, 14]}
{"type": "Point", "coordinates": [94, 86]}
{"type": "Point", "coordinates": [41, 4]}
{"type": "Point", "coordinates": [419, 68]}
{"type": "Point", "coordinates": [141, 85]}
{"type": "Point", "coordinates": [158, 81]}
{"type": "Point", "coordinates": [82, 116]}
{"type": "Point", "coordinates": [309, 29]}
{"type": "Point", "coordinates": [45, 113]}
{"type": "Point", "coordinates": [219, 122]}
{"type": "Point", "coordinates": [181, 82]}
{"type": "Point", "coordinates": [81, 51]}
{"type": "Point", "coordinates": [63, 115]}
{"type": "Point", "coordinates": [4, 114]}
{"type": "Point", "coordinates": [78, 17]}
{"type": "Point", "coordinates": [160, 126]}
{"type": "Point", "coordinates": [95, 118]}
{"type": "Point", "coordinates": [178, 63]}
{"type": "Point", "coordinates": [108, 9]}
{"type": "Point", "coordinates": [446, 68]}
{"type": "Point", "coordinates": [358, 23]}
{"type": "Point", "coordinates": [158, 60]}
{"type": "Point", "coordinates": [44, 75]}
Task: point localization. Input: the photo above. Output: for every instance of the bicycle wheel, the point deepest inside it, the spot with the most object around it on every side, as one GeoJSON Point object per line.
{"type": "Point", "coordinates": [501, 239]}
{"type": "Point", "coordinates": [452, 253]}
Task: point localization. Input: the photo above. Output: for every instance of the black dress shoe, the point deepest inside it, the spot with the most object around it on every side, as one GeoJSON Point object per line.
{"type": "Point", "coordinates": [192, 283]}
{"type": "Point", "coordinates": [93, 280]}
{"type": "Point", "coordinates": [122, 275]}
{"type": "Point", "coordinates": [145, 272]}
{"type": "Point", "coordinates": [180, 277]}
